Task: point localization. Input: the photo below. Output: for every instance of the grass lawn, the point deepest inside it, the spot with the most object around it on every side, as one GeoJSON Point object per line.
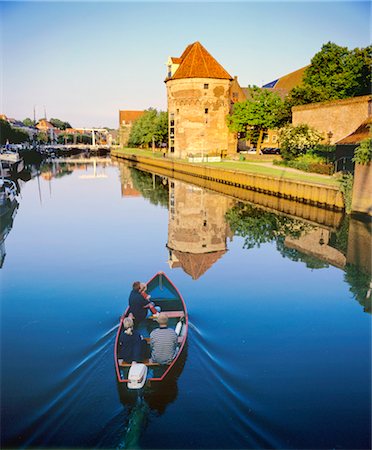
{"type": "Point", "coordinates": [275, 171]}
{"type": "Point", "coordinates": [252, 167]}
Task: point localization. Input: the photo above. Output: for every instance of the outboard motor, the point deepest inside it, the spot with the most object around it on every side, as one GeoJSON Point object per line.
{"type": "Point", "coordinates": [137, 376]}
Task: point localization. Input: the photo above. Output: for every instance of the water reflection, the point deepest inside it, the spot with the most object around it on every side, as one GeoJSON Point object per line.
{"type": "Point", "coordinates": [153, 400]}
{"type": "Point", "coordinates": [7, 214]}
{"type": "Point", "coordinates": [202, 221]}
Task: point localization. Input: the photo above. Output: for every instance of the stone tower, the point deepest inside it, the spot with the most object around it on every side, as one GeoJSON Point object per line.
{"type": "Point", "coordinates": [200, 94]}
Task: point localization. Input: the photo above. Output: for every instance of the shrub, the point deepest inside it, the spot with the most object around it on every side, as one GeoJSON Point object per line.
{"type": "Point", "coordinates": [346, 187]}
{"type": "Point", "coordinates": [309, 163]}
{"type": "Point", "coordinates": [295, 141]}
{"type": "Point", "coordinates": [363, 153]}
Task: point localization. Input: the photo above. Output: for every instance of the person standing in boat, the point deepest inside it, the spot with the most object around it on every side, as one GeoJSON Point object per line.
{"type": "Point", "coordinates": [163, 341]}
{"type": "Point", "coordinates": [131, 345]}
{"type": "Point", "coordinates": [139, 303]}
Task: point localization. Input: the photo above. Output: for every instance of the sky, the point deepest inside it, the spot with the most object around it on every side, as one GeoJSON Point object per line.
{"type": "Point", "coordinates": [82, 62]}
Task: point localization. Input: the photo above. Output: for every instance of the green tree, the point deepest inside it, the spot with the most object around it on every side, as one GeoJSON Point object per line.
{"type": "Point", "coordinates": [28, 122]}
{"type": "Point", "coordinates": [161, 129]}
{"type": "Point", "coordinates": [295, 141]}
{"type": "Point", "coordinates": [13, 135]}
{"type": "Point", "coordinates": [335, 73]}
{"type": "Point", "coordinates": [152, 125]}
{"type": "Point", "coordinates": [60, 124]}
{"type": "Point", "coordinates": [263, 110]}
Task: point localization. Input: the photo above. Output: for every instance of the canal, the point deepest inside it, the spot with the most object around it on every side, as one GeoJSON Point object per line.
{"type": "Point", "coordinates": [279, 346]}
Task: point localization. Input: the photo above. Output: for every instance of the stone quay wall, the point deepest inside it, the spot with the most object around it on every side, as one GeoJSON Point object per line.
{"type": "Point", "coordinates": [328, 197]}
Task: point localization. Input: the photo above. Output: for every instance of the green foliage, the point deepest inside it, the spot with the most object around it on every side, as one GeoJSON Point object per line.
{"type": "Point", "coordinates": [363, 153]}
{"type": "Point", "coordinates": [262, 111]}
{"type": "Point", "coordinates": [335, 73]}
{"type": "Point", "coordinates": [151, 187]}
{"type": "Point", "coordinates": [308, 163]}
{"type": "Point", "coordinates": [346, 187]}
{"type": "Point", "coordinates": [60, 124]}
{"type": "Point", "coordinates": [339, 238]}
{"type": "Point", "coordinates": [152, 124]}
{"type": "Point", "coordinates": [8, 133]}
{"type": "Point", "coordinates": [297, 140]}
{"type": "Point", "coordinates": [28, 122]}
{"type": "Point", "coordinates": [42, 137]}
{"type": "Point", "coordinates": [360, 286]}
{"type": "Point", "coordinates": [258, 226]}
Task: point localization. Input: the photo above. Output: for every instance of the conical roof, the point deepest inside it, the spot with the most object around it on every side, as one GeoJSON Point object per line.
{"type": "Point", "coordinates": [197, 62]}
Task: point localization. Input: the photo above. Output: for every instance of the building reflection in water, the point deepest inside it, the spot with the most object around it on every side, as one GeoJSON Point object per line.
{"type": "Point", "coordinates": [201, 221]}
{"type": "Point", "coordinates": [197, 229]}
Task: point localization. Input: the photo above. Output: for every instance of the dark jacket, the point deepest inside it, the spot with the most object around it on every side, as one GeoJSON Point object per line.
{"type": "Point", "coordinates": [136, 306]}
{"type": "Point", "coordinates": [130, 347]}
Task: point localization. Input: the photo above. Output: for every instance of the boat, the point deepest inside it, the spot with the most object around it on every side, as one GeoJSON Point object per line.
{"type": "Point", "coordinates": [11, 163]}
{"type": "Point", "coordinates": [8, 194]}
{"type": "Point", "coordinates": [165, 295]}
{"type": "Point", "coordinates": [8, 210]}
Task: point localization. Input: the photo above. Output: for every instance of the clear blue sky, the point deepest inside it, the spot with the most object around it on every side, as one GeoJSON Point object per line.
{"type": "Point", "coordinates": [83, 61]}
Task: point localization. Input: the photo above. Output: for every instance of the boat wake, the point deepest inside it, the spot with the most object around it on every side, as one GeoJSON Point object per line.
{"type": "Point", "coordinates": [234, 393]}
{"type": "Point", "coordinates": [75, 392]}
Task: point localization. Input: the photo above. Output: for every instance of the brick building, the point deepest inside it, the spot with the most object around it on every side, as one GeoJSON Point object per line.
{"type": "Point", "coordinates": [200, 94]}
{"type": "Point", "coordinates": [126, 120]}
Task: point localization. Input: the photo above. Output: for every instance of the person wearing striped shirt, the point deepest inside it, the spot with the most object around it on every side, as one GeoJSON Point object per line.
{"type": "Point", "coordinates": [163, 341]}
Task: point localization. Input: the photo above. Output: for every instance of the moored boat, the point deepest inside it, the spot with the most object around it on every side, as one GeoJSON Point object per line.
{"type": "Point", "coordinates": [165, 295]}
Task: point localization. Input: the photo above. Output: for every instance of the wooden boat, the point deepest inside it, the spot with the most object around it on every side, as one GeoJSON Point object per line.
{"type": "Point", "coordinates": [165, 295]}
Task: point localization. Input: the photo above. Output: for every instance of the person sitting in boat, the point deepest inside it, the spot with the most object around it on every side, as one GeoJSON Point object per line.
{"type": "Point", "coordinates": [139, 303]}
{"type": "Point", "coordinates": [131, 345]}
{"type": "Point", "coordinates": [163, 341]}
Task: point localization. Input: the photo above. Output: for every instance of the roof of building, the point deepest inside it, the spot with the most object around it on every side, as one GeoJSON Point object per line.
{"type": "Point", "coordinates": [43, 123]}
{"type": "Point", "coordinates": [362, 132]}
{"type": "Point", "coordinates": [129, 116]}
{"type": "Point", "coordinates": [196, 265]}
{"type": "Point", "coordinates": [197, 62]}
{"type": "Point", "coordinates": [175, 60]}
{"type": "Point", "coordinates": [287, 82]}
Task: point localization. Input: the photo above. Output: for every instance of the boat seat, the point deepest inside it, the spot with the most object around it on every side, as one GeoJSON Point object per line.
{"type": "Point", "coordinates": [147, 362]}
{"type": "Point", "coordinates": [171, 314]}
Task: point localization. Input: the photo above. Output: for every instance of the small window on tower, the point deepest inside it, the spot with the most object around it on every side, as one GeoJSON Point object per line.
{"type": "Point", "coordinates": [206, 110]}
{"type": "Point", "coordinates": [206, 86]}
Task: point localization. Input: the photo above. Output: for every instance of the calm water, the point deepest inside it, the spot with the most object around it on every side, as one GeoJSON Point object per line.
{"type": "Point", "coordinates": [279, 343]}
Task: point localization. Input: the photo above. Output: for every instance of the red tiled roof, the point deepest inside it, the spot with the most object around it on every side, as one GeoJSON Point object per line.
{"type": "Point", "coordinates": [196, 265]}
{"type": "Point", "coordinates": [176, 60]}
{"type": "Point", "coordinates": [197, 62]}
{"type": "Point", "coordinates": [129, 116]}
{"type": "Point", "coordinates": [362, 132]}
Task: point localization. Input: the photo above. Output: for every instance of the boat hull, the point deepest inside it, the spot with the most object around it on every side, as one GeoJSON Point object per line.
{"type": "Point", "coordinates": [165, 295]}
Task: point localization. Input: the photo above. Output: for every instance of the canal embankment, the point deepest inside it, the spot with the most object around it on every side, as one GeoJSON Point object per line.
{"type": "Point", "coordinates": [311, 193]}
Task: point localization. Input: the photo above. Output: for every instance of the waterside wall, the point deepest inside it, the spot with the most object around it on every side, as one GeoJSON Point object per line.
{"type": "Point", "coordinates": [319, 195]}
{"type": "Point", "coordinates": [328, 197]}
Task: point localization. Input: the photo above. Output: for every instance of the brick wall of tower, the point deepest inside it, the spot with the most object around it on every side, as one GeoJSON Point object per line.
{"type": "Point", "coordinates": [198, 107]}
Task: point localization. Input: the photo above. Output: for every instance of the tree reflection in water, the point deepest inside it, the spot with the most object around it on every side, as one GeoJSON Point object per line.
{"type": "Point", "coordinates": [258, 226]}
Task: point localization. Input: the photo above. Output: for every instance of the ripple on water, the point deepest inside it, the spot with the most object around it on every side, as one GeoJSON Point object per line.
{"type": "Point", "coordinates": [70, 393]}
{"type": "Point", "coordinates": [235, 393]}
